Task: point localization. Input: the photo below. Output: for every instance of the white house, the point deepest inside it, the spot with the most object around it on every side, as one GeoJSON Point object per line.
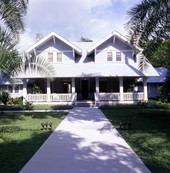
{"type": "Point", "coordinates": [101, 72]}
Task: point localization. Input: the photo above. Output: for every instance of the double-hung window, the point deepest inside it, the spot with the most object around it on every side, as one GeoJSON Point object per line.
{"type": "Point", "coordinates": [109, 56]}
{"type": "Point", "coordinates": [118, 57]}
{"type": "Point", "coordinates": [50, 57]}
{"type": "Point", "coordinates": [59, 57]}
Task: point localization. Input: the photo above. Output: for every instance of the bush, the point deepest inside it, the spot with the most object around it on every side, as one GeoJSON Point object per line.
{"type": "Point", "coordinates": [15, 101]}
{"type": "Point", "coordinates": [151, 104]}
{"type": "Point", "coordinates": [4, 97]}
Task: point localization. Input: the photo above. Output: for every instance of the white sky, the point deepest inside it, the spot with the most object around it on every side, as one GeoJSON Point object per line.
{"type": "Point", "coordinates": [72, 19]}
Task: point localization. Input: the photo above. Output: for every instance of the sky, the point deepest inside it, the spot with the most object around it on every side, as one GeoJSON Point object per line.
{"type": "Point", "coordinates": [72, 19]}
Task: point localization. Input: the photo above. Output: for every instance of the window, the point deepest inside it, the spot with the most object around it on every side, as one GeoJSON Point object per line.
{"type": "Point", "coordinates": [16, 89]}
{"type": "Point", "coordinates": [10, 89]}
{"type": "Point", "coordinates": [50, 57]}
{"type": "Point", "coordinates": [59, 57]}
{"type": "Point", "coordinates": [109, 56]}
{"type": "Point", "coordinates": [118, 56]}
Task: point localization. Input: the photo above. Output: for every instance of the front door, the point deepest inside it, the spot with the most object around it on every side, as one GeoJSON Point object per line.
{"type": "Point", "coordinates": [85, 89]}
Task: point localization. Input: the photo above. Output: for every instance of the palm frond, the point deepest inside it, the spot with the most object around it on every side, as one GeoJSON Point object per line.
{"type": "Point", "coordinates": [143, 63]}
{"type": "Point", "coordinates": [150, 19]}
{"type": "Point", "coordinates": [36, 66]}
{"type": "Point", "coordinates": [12, 13]}
{"type": "Point", "coordinates": [9, 56]}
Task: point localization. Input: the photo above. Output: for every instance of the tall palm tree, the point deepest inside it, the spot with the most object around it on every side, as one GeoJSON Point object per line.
{"type": "Point", "coordinates": [11, 25]}
{"type": "Point", "coordinates": [149, 20]}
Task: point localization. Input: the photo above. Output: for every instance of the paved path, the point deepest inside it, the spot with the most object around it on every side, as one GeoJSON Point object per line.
{"type": "Point", "coordinates": [85, 142]}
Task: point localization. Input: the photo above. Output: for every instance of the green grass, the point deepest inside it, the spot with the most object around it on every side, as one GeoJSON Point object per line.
{"type": "Point", "coordinates": [149, 136]}
{"type": "Point", "coordinates": [36, 107]}
{"type": "Point", "coordinates": [21, 136]}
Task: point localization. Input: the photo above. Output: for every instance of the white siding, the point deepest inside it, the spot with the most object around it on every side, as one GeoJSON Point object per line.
{"type": "Point", "coordinates": [58, 46]}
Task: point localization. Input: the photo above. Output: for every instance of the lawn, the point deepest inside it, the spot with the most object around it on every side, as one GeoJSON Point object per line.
{"type": "Point", "coordinates": [21, 136]}
{"type": "Point", "coordinates": [149, 136]}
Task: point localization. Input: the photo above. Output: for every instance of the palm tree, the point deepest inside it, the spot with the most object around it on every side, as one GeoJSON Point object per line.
{"type": "Point", "coordinates": [9, 56]}
{"type": "Point", "coordinates": [149, 20]}
{"type": "Point", "coordinates": [11, 25]}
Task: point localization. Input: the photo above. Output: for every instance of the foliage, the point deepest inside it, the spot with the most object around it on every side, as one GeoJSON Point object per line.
{"type": "Point", "coordinates": [35, 65]}
{"type": "Point", "coordinates": [149, 135]}
{"type": "Point", "coordinates": [21, 136]}
{"type": "Point", "coordinates": [12, 13]}
{"type": "Point", "coordinates": [4, 97]}
{"type": "Point", "coordinates": [9, 56]}
{"type": "Point", "coordinates": [83, 39]}
{"type": "Point", "coordinates": [149, 20]}
{"type": "Point", "coordinates": [11, 24]}
{"type": "Point", "coordinates": [15, 101]}
{"type": "Point", "coordinates": [151, 104]}
{"type": "Point", "coordinates": [27, 106]}
{"type": "Point", "coordinates": [165, 89]}
{"type": "Point", "coordinates": [160, 57]}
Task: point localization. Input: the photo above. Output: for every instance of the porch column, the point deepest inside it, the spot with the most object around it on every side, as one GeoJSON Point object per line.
{"type": "Point", "coordinates": [121, 88]}
{"type": "Point", "coordinates": [73, 90]}
{"type": "Point", "coordinates": [48, 90]}
{"type": "Point", "coordinates": [24, 90]}
{"type": "Point", "coordinates": [97, 88]}
{"type": "Point", "coordinates": [145, 90]}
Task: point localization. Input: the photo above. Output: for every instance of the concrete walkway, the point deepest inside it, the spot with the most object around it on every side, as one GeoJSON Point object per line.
{"type": "Point", "coordinates": [85, 142]}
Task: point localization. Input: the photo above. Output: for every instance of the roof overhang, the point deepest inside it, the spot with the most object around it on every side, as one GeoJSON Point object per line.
{"type": "Point", "coordinates": [53, 35]}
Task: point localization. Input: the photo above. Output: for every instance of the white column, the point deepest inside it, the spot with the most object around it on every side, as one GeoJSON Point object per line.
{"type": "Point", "coordinates": [24, 90]}
{"type": "Point", "coordinates": [97, 88]}
{"type": "Point", "coordinates": [121, 88]}
{"type": "Point", "coordinates": [73, 90]}
{"type": "Point", "coordinates": [145, 90]}
{"type": "Point", "coordinates": [48, 89]}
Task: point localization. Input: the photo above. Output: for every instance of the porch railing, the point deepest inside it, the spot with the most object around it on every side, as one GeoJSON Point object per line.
{"type": "Point", "coordinates": [109, 96]}
{"type": "Point", "coordinates": [61, 97]}
{"type": "Point", "coordinates": [37, 97]}
{"type": "Point", "coordinates": [133, 96]}
{"type": "Point", "coordinates": [116, 96]}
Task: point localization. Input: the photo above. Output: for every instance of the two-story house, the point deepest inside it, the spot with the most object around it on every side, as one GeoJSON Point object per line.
{"type": "Point", "coordinates": [102, 72]}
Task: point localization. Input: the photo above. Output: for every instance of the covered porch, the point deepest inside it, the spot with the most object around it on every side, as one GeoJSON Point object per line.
{"type": "Point", "coordinates": [99, 90]}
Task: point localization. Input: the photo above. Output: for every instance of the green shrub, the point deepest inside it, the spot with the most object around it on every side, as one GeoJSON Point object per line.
{"type": "Point", "coordinates": [151, 104]}
{"type": "Point", "coordinates": [4, 97]}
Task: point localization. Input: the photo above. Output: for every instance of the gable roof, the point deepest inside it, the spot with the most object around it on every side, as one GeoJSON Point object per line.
{"type": "Point", "coordinates": [114, 33]}
{"type": "Point", "coordinates": [51, 35]}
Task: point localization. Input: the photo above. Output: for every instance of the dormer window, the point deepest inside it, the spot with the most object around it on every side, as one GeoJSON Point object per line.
{"type": "Point", "coordinates": [118, 57]}
{"type": "Point", "coordinates": [109, 56]}
{"type": "Point", "coordinates": [59, 57]}
{"type": "Point", "coordinates": [50, 57]}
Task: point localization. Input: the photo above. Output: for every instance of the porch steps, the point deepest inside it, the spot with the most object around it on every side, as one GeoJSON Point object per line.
{"type": "Point", "coordinates": [85, 104]}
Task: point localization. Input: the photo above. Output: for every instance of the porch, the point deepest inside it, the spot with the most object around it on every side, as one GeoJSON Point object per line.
{"type": "Point", "coordinates": [96, 90]}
